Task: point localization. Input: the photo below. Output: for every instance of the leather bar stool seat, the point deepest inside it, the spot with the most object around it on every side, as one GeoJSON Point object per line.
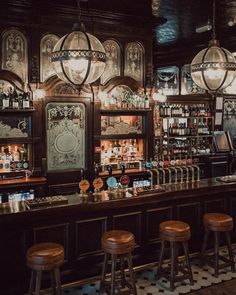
{"type": "Point", "coordinates": [45, 257]}
{"type": "Point", "coordinates": [118, 244]}
{"type": "Point", "coordinates": [175, 232]}
{"type": "Point", "coordinates": [217, 223]}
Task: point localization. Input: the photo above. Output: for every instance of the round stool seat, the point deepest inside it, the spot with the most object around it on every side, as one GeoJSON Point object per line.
{"type": "Point", "coordinates": [175, 231]}
{"type": "Point", "coordinates": [218, 222]}
{"type": "Point", "coordinates": [118, 242]}
{"type": "Point", "coordinates": [45, 256]}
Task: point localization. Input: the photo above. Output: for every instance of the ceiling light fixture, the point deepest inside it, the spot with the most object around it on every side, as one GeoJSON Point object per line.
{"type": "Point", "coordinates": [78, 57]}
{"type": "Point", "coordinates": [213, 68]}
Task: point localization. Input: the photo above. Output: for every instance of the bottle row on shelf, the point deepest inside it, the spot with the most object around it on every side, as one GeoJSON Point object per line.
{"type": "Point", "coordinates": [121, 150]}
{"type": "Point", "coordinates": [12, 159]}
{"type": "Point", "coordinates": [11, 99]}
{"type": "Point", "coordinates": [184, 110]}
{"type": "Point", "coordinates": [185, 147]}
{"type": "Point", "coordinates": [192, 129]}
{"type": "Point", "coordinates": [127, 101]}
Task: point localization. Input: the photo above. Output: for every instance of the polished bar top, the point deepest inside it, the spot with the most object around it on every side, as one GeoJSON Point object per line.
{"type": "Point", "coordinates": [23, 181]}
{"type": "Point", "coordinates": [83, 203]}
{"type": "Point", "coordinates": [205, 186]}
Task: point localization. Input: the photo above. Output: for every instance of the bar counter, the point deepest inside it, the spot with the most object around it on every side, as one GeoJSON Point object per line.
{"type": "Point", "coordinates": [79, 224]}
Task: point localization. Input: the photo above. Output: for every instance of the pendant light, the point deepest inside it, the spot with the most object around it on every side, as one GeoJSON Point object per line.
{"type": "Point", "coordinates": [78, 57]}
{"type": "Point", "coordinates": [213, 68]}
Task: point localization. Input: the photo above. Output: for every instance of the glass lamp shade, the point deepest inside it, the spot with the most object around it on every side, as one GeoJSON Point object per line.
{"type": "Point", "coordinates": [213, 68]}
{"type": "Point", "coordinates": [79, 58]}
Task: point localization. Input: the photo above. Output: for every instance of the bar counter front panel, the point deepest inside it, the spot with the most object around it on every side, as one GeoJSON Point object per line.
{"type": "Point", "coordinates": [79, 225]}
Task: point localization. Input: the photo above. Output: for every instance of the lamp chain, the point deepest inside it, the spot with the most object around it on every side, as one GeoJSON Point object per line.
{"type": "Point", "coordinates": [214, 20]}
{"type": "Point", "coordinates": [78, 10]}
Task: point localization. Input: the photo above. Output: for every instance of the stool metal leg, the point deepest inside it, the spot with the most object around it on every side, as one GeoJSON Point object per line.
{"type": "Point", "coordinates": [122, 270]}
{"type": "Point", "coordinates": [104, 272]}
{"type": "Point", "coordinates": [53, 281]}
{"type": "Point", "coordinates": [32, 282]}
{"type": "Point", "coordinates": [229, 246]}
{"type": "Point", "coordinates": [173, 262]}
{"type": "Point", "coordinates": [206, 234]}
{"type": "Point", "coordinates": [185, 245]}
{"type": "Point", "coordinates": [176, 258]}
{"type": "Point", "coordinates": [161, 255]}
{"type": "Point", "coordinates": [131, 272]}
{"type": "Point", "coordinates": [216, 234]}
{"type": "Point", "coordinates": [38, 282]}
{"type": "Point", "coordinates": [113, 273]}
{"type": "Point", "coordinates": [57, 280]}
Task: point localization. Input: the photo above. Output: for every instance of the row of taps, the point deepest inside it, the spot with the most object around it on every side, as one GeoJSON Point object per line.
{"type": "Point", "coordinates": [181, 174]}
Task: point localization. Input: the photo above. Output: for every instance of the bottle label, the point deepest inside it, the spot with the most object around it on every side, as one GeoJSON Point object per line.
{"type": "Point", "coordinates": [15, 105]}
{"type": "Point", "coordinates": [5, 103]}
{"type": "Point", "coordinates": [84, 185]}
{"type": "Point", "coordinates": [112, 182]}
{"type": "Point", "coordinates": [124, 180]}
{"type": "Point", "coordinates": [25, 104]}
{"type": "Point", "coordinates": [98, 183]}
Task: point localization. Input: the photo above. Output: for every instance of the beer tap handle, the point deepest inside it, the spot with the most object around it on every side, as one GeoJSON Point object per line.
{"type": "Point", "coordinates": [82, 174]}
{"type": "Point", "coordinates": [96, 172]}
{"type": "Point", "coordinates": [109, 169]}
{"type": "Point", "coordinates": [123, 169]}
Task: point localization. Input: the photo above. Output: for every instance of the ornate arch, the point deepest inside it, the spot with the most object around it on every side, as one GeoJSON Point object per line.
{"type": "Point", "coordinates": [134, 61]}
{"type": "Point", "coordinates": [112, 68]}
{"type": "Point", "coordinates": [15, 53]}
{"type": "Point", "coordinates": [47, 44]}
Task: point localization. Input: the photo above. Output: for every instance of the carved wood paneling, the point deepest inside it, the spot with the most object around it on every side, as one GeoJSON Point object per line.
{"type": "Point", "coordinates": [130, 222]}
{"type": "Point", "coordinates": [215, 206]}
{"type": "Point", "coordinates": [153, 218]}
{"type": "Point", "coordinates": [57, 233]}
{"type": "Point", "coordinates": [88, 234]}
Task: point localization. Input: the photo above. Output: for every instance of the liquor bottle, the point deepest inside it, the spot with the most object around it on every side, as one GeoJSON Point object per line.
{"type": "Point", "coordinates": [146, 102]}
{"type": "Point", "coordinates": [26, 98]}
{"type": "Point", "coordinates": [16, 154]}
{"type": "Point", "coordinates": [15, 101]}
{"type": "Point", "coordinates": [10, 95]}
{"type": "Point", "coordinates": [5, 101]}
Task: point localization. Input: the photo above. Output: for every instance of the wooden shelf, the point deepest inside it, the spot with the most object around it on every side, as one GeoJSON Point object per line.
{"type": "Point", "coordinates": [20, 111]}
{"type": "Point", "coordinates": [120, 136]}
{"type": "Point", "coordinates": [125, 112]}
{"type": "Point", "coordinates": [197, 117]}
{"type": "Point", "coordinates": [16, 140]}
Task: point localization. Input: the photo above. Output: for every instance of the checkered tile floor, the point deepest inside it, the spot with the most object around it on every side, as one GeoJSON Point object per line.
{"type": "Point", "coordinates": [148, 284]}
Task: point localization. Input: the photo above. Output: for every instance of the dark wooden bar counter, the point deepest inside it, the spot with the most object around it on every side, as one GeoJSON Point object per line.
{"type": "Point", "coordinates": [79, 225]}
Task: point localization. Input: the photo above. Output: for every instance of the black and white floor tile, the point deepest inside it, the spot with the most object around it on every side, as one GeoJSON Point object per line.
{"type": "Point", "coordinates": [148, 284]}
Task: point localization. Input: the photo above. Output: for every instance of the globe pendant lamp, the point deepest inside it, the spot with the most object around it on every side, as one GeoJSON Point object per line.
{"type": "Point", "coordinates": [213, 68]}
{"type": "Point", "coordinates": [78, 57]}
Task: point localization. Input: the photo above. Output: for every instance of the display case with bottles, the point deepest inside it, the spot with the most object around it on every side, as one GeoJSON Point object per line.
{"type": "Point", "coordinates": [183, 130]}
{"type": "Point", "coordinates": [20, 145]}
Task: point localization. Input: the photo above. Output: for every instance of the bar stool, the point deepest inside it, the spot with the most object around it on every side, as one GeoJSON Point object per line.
{"type": "Point", "coordinates": [175, 232]}
{"type": "Point", "coordinates": [217, 223]}
{"type": "Point", "coordinates": [45, 257]}
{"type": "Point", "coordinates": [118, 244]}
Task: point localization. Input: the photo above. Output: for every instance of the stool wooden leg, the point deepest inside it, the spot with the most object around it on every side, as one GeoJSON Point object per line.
{"type": "Point", "coordinates": [206, 234]}
{"type": "Point", "coordinates": [113, 273]}
{"type": "Point", "coordinates": [53, 282]}
{"type": "Point", "coordinates": [122, 270]}
{"type": "Point", "coordinates": [57, 280]}
{"type": "Point", "coordinates": [104, 272]}
{"type": "Point", "coordinates": [176, 258]}
{"type": "Point", "coordinates": [229, 246]}
{"type": "Point", "coordinates": [216, 234]}
{"type": "Point", "coordinates": [173, 262]}
{"type": "Point", "coordinates": [161, 255]}
{"type": "Point", "coordinates": [185, 245]}
{"type": "Point", "coordinates": [32, 282]}
{"type": "Point", "coordinates": [38, 282]}
{"type": "Point", "coordinates": [131, 272]}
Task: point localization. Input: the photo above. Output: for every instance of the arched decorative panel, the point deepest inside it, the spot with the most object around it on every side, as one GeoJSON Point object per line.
{"type": "Point", "coordinates": [14, 53]}
{"type": "Point", "coordinates": [46, 46]}
{"type": "Point", "coordinates": [112, 68]}
{"type": "Point", "coordinates": [134, 54]}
